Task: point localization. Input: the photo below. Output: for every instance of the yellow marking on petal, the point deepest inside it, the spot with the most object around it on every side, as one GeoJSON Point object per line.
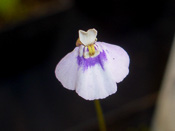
{"type": "Point", "coordinates": [91, 49]}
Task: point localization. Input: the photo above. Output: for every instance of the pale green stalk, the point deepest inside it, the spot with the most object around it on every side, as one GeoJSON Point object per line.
{"type": "Point", "coordinates": [100, 117]}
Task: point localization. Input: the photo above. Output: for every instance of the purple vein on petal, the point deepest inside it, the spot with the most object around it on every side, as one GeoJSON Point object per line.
{"type": "Point", "coordinates": [89, 62]}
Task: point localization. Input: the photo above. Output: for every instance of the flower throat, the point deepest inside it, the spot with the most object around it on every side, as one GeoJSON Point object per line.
{"type": "Point", "coordinates": [91, 49]}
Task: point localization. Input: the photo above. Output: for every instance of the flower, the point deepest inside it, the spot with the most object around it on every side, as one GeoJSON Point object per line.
{"type": "Point", "coordinates": [93, 68]}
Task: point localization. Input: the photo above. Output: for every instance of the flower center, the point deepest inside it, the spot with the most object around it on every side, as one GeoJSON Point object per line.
{"type": "Point", "coordinates": [91, 49]}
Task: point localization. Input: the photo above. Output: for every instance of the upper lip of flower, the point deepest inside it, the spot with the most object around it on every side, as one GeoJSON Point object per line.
{"type": "Point", "coordinates": [87, 37]}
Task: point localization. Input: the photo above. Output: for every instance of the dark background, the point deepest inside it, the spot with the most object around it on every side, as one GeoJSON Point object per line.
{"type": "Point", "coordinates": [31, 98]}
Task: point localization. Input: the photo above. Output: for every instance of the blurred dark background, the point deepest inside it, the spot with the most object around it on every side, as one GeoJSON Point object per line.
{"type": "Point", "coordinates": [35, 35]}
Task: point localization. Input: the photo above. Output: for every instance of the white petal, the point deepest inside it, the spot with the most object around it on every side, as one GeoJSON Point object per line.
{"type": "Point", "coordinates": [117, 61]}
{"type": "Point", "coordinates": [66, 70]}
{"type": "Point", "coordinates": [88, 37]}
{"type": "Point", "coordinates": [94, 83]}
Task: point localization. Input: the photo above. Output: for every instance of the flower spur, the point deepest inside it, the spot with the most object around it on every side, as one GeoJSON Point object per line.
{"type": "Point", "coordinates": [93, 68]}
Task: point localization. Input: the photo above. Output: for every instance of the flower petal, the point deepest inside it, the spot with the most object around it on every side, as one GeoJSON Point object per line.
{"type": "Point", "coordinates": [88, 37]}
{"type": "Point", "coordinates": [117, 61]}
{"type": "Point", "coordinates": [66, 70]}
{"type": "Point", "coordinates": [94, 83]}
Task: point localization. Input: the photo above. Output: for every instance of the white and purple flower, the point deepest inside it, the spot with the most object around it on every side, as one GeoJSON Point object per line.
{"type": "Point", "coordinates": [93, 68]}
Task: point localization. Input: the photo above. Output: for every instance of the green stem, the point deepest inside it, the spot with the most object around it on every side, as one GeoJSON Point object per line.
{"type": "Point", "coordinates": [101, 120]}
